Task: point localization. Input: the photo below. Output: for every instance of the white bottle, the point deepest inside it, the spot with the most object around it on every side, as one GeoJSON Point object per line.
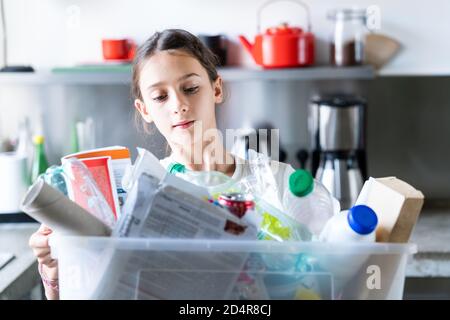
{"type": "Point", "coordinates": [345, 230]}
{"type": "Point", "coordinates": [356, 224]}
{"type": "Point", "coordinates": [309, 202]}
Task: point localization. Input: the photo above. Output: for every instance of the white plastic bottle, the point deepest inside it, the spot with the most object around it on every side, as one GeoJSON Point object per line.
{"type": "Point", "coordinates": [309, 202]}
{"type": "Point", "coordinates": [356, 224]}
{"type": "Point", "coordinates": [345, 230]}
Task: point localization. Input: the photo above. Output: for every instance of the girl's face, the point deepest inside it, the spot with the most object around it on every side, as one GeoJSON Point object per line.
{"type": "Point", "coordinates": [178, 96]}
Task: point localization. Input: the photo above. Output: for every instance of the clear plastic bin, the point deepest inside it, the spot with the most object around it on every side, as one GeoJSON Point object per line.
{"type": "Point", "coordinates": [138, 268]}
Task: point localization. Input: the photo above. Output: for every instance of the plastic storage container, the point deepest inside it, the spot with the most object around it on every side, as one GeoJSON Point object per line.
{"type": "Point", "coordinates": [134, 268]}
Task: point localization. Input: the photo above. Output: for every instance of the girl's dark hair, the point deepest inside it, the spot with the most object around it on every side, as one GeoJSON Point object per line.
{"type": "Point", "coordinates": [173, 39]}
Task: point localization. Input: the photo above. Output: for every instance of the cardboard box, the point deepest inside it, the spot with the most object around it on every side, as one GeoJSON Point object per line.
{"type": "Point", "coordinates": [397, 205]}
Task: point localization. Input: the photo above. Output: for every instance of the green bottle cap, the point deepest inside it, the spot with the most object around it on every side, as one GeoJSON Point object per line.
{"type": "Point", "coordinates": [301, 183]}
{"type": "Point", "coordinates": [176, 167]}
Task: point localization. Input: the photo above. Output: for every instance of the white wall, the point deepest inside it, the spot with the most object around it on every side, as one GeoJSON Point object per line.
{"type": "Point", "coordinates": [46, 33]}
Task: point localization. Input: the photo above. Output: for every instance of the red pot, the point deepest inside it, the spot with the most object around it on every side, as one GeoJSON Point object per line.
{"type": "Point", "coordinates": [282, 46]}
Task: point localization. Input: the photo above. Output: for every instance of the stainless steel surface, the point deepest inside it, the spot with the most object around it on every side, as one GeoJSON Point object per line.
{"type": "Point", "coordinates": [339, 127]}
{"type": "Point", "coordinates": [336, 125]}
{"type": "Point", "coordinates": [343, 181]}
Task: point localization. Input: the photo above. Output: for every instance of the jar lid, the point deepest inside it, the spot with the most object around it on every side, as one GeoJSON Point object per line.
{"type": "Point", "coordinates": [347, 14]}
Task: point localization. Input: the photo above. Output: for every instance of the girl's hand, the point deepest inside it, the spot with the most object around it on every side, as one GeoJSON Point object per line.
{"type": "Point", "coordinates": [48, 267]}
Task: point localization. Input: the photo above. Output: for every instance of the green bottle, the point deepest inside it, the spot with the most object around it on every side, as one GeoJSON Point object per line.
{"type": "Point", "coordinates": [40, 163]}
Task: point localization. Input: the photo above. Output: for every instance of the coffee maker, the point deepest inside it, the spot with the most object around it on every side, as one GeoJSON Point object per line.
{"type": "Point", "coordinates": [337, 124]}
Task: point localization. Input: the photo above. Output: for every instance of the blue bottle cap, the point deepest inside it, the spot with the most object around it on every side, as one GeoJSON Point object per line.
{"type": "Point", "coordinates": [362, 219]}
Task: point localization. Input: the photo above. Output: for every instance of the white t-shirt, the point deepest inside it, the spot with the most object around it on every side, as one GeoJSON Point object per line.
{"type": "Point", "coordinates": [281, 172]}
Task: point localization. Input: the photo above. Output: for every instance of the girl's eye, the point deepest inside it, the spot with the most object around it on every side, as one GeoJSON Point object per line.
{"type": "Point", "coordinates": [160, 98]}
{"type": "Point", "coordinates": [191, 90]}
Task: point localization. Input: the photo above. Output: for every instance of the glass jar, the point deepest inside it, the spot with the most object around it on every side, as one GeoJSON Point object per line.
{"type": "Point", "coordinates": [347, 43]}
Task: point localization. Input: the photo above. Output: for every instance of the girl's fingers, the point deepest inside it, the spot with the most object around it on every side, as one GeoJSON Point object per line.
{"type": "Point", "coordinates": [40, 253]}
{"type": "Point", "coordinates": [45, 260]}
{"type": "Point", "coordinates": [43, 229]}
{"type": "Point", "coordinates": [38, 240]}
{"type": "Point", "coordinates": [53, 263]}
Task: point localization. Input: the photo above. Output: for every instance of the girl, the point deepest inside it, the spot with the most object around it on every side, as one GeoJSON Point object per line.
{"type": "Point", "coordinates": [176, 86]}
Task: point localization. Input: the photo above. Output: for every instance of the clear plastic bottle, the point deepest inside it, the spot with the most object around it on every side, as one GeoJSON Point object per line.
{"type": "Point", "coordinates": [55, 177]}
{"type": "Point", "coordinates": [214, 181]}
{"type": "Point", "coordinates": [309, 202]}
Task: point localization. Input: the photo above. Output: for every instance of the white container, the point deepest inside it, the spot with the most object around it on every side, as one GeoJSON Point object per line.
{"type": "Point", "coordinates": [14, 181]}
{"type": "Point", "coordinates": [134, 268]}
{"type": "Point", "coordinates": [356, 225]}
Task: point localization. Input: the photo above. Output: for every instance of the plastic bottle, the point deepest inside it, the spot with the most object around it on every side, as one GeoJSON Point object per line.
{"type": "Point", "coordinates": [55, 177]}
{"type": "Point", "coordinates": [40, 163]}
{"type": "Point", "coordinates": [345, 230]}
{"type": "Point", "coordinates": [214, 181]}
{"type": "Point", "coordinates": [25, 144]}
{"type": "Point", "coordinates": [309, 202]}
{"type": "Point", "coordinates": [356, 224]}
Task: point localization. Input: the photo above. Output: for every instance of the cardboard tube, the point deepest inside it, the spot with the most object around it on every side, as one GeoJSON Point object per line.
{"type": "Point", "coordinates": [52, 208]}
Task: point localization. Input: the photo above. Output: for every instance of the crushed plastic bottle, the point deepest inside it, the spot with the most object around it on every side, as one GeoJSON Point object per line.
{"type": "Point", "coordinates": [55, 177]}
{"type": "Point", "coordinates": [261, 180]}
{"type": "Point", "coordinates": [308, 202]}
{"type": "Point", "coordinates": [214, 181]}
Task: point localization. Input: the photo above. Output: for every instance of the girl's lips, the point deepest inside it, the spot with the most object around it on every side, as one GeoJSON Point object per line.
{"type": "Point", "coordinates": [184, 125]}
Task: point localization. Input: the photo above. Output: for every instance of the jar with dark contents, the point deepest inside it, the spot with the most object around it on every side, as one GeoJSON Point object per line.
{"type": "Point", "coordinates": [347, 41]}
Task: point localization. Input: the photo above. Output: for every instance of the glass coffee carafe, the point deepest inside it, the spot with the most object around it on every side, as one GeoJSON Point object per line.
{"type": "Point", "coordinates": [347, 41]}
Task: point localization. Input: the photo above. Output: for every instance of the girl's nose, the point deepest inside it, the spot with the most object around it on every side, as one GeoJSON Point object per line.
{"type": "Point", "coordinates": [181, 109]}
{"type": "Point", "coordinates": [179, 105]}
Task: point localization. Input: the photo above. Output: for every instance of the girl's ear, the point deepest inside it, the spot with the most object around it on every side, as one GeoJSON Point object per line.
{"type": "Point", "coordinates": [218, 90]}
{"type": "Point", "coordinates": [142, 108]}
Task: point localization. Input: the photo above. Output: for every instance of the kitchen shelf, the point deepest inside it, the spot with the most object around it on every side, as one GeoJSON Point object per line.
{"type": "Point", "coordinates": [310, 73]}
{"type": "Point", "coordinates": [121, 75]}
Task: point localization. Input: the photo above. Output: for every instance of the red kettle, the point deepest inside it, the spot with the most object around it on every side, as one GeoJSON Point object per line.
{"type": "Point", "coordinates": [282, 46]}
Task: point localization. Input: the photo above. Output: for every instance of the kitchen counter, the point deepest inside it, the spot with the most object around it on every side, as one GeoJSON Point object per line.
{"type": "Point", "coordinates": [432, 236]}
{"type": "Point", "coordinates": [19, 276]}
